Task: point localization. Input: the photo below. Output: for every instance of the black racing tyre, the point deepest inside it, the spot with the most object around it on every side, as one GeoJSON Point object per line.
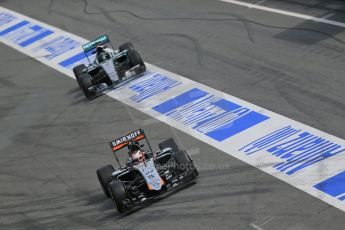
{"type": "Point", "coordinates": [85, 83]}
{"type": "Point", "coordinates": [126, 46]}
{"type": "Point", "coordinates": [78, 70]}
{"type": "Point", "coordinates": [195, 172]}
{"type": "Point", "coordinates": [118, 194]}
{"type": "Point", "coordinates": [185, 163]}
{"type": "Point", "coordinates": [169, 143]}
{"type": "Point", "coordinates": [133, 55]}
{"type": "Point", "coordinates": [104, 178]}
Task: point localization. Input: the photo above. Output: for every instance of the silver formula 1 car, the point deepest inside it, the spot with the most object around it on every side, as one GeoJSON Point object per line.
{"type": "Point", "coordinates": [109, 68]}
{"type": "Point", "coordinates": [146, 174]}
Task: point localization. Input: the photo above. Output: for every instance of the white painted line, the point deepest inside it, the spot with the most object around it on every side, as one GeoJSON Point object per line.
{"type": "Point", "coordinates": [260, 2]}
{"type": "Point", "coordinates": [256, 227]}
{"type": "Point", "coordinates": [328, 15]}
{"type": "Point", "coordinates": [267, 221]}
{"type": "Point", "coordinates": [259, 227]}
{"type": "Point", "coordinates": [284, 12]}
{"type": "Point", "coordinates": [341, 195]}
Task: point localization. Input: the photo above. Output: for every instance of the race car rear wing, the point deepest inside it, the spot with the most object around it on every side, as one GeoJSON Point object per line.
{"type": "Point", "coordinates": [88, 47]}
{"type": "Point", "coordinates": [124, 141]}
{"type": "Point", "coordinates": [96, 42]}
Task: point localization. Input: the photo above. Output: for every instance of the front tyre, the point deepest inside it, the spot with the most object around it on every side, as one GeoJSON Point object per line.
{"type": "Point", "coordinates": [104, 178]}
{"type": "Point", "coordinates": [118, 194]}
{"type": "Point", "coordinates": [85, 83]}
{"type": "Point", "coordinates": [78, 70]}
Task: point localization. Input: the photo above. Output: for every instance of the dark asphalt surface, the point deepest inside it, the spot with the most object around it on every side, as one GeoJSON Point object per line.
{"type": "Point", "coordinates": [52, 140]}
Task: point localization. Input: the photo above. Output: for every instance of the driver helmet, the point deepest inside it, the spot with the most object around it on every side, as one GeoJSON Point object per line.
{"type": "Point", "coordinates": [100, 48]}
{"type": "Point", "coordinates": [135, 152]}
{"type": "Point", "coordinates": [102, 54]}
{"type": "Point", "coordinates": [134, 146]}
{"type": "Point", "coordinates": [138, 155]}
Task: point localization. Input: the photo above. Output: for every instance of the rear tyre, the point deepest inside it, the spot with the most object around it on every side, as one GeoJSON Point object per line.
{"type": "Point", "coordinates": [78, 70]}
{"type": "Point", "coordinates": [185, 163]}
{"type": "Point", "coordinates": [104, 178]}
{"type": "Point", "coordinates": [133, 55]}
{"type": "Point", "coordinates": [118, 194]}
{"type": "Point", "coordinates": [169, 143]}
{"type": "Point", "coordinates": [85, 83]}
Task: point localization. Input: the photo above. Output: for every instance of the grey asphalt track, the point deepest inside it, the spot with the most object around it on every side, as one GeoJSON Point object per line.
{"type": "Point", "coordinates": [52, 140]}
